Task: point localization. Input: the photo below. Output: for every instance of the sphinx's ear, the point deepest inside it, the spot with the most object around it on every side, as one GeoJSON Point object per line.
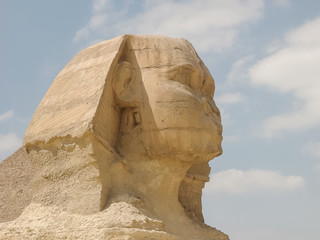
{"type": "Point", "coordinates": [125, 85]}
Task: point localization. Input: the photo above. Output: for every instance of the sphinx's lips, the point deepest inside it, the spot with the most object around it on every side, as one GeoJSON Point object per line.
{"type": "Point", "coordinates": [198, 177]}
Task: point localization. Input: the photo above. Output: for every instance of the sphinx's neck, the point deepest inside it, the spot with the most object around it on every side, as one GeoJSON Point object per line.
{"type": "Point", "coordinates": [155, 182]}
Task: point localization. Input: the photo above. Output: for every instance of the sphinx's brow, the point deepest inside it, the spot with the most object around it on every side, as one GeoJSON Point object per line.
{"type": "Point", "coordinates": [185, 66]}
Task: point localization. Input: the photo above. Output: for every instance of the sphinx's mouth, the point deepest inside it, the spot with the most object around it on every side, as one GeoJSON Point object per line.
{"type": "Point", "coordinates": [197, 177]}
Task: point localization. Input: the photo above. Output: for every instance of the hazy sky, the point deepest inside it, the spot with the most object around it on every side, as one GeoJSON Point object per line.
{"type": "Point", "coordinates": [265, 58]}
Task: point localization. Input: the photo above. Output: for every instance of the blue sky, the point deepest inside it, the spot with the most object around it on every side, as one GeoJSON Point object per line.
{"type": "Point", "coordinates": [265, 58]}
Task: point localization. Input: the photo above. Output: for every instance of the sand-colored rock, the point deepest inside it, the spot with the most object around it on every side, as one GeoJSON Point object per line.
{"type": "Point", "coordinates": [16, 173]}
{"type": "Point", "coordinates": [120, 146]}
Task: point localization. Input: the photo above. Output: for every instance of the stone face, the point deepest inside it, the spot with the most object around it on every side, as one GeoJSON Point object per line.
{"type": "Point", "coordinates": [120, 144]}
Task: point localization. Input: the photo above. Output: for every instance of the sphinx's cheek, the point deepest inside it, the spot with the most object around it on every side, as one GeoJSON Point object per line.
{"type": "Point", "coordinates": [173, 105]}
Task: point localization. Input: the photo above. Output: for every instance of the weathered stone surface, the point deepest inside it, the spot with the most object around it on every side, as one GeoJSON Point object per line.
{"type": "Point", "coordinates": [16, 173]}
{"type": "Point", "coordinates": [120, 146]}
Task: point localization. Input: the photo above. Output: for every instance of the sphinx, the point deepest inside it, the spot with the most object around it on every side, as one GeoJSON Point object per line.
{"type": "Point", "coordinates": [120, 145]}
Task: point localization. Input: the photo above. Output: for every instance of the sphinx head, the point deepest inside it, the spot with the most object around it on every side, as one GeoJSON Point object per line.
{"type": "Point", "coordinates": [165, 95]}
{"type": "Point", "coordinates": [167, 112]}
{"type": "Point", "coordinates": [132, 115]}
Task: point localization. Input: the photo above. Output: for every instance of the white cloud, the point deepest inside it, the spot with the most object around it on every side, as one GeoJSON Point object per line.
{"type": "Point", "coordinates": [95, 23]}
{"type": "Point", "coordinates": [295, 70]}
{"type": "Point", "coordinates": [9, 142]}
{"type": "Point", "coordinates": [229, 98]}
{"type": "Point", "coordinates": [100, 5]}
{"type": "Point", "coordinates": [274, 46]}
{"type": "Point", "coordinates": [312, 148]}
{"type": "Point", "coordinates": [305, 35]}
{"type": "Point", "coordinates": [238, 71]}
{"type": "Point", "coordinates": [98, 19]}
{"type": "Point", "coordinates": [238, 182]}
{"type": "Point", "coordinates": [211, 25]}
{"type": "Point", "coordinates": [6, 115]}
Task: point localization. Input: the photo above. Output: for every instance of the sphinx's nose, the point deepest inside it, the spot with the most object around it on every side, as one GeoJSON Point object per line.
{"type": "Point", "coordinates": [209, 107]}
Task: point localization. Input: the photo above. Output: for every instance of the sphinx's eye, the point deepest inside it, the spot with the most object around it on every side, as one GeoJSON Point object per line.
{"type": "Point", "coordinates": [208, 85]}
{"type": "Point", "coordinates": [189, 75]}
{"type": "Point", "coordinates": [196, 79]}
